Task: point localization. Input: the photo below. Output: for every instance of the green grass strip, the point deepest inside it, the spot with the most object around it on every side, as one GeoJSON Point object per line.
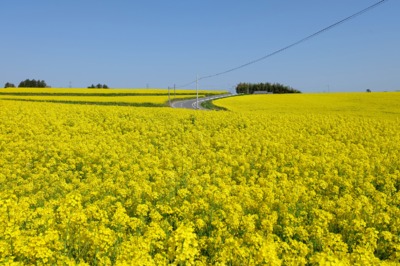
{"type": "Point", "coordinates": [91, 103]}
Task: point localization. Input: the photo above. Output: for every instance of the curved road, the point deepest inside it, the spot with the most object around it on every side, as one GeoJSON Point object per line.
{"type": "Point", "coordinates": [191, 104]}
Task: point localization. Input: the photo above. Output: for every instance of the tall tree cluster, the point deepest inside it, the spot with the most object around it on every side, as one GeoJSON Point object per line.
{"type": "Point", "coordinates": [32, 83]}
{"type": "Point", "coordinates": [250, 88]}
{"type": "Point", "coordinates": [98, 86]}
{"type": "Point", "coordinates": [9, 85]}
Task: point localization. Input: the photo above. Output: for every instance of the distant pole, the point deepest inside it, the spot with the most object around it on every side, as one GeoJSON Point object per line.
{"type": "Point", "coordinates": [174, 91]}
{"type": "Point", "coordinates": [169, 98]}
{"type": "Point", "coordinates": [70, 84]}
{"type": "Point", "coordinates": [197, 92]}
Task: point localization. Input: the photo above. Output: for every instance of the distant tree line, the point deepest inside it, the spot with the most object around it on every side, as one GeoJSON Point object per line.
{"type": "Point", "coordinates": [32, 83]}
{"type": "Point", "coordinates": [250, 88]}
{"type": "Point", "coordinates": [9, 85]}
{"type": "Point", "coordinates": [98, 86]}
{"type": "Point", "coordinates": [28, 83]}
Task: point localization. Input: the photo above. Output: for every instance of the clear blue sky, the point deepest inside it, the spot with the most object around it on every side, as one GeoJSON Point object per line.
{"type": "Point", "coordinates": [128, 44]}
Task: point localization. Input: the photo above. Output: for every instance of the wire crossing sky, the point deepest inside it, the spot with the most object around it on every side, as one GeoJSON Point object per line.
{"type": "Point", "coordinates": [139, 44]}
{"type": "Point", "coordinates": [289, 46]}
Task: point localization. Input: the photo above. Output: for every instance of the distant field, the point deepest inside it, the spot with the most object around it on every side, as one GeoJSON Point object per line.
{"type": "Point", "coordinates": [310, 179]}
{"type": "Point", "coordinates": [102, 92]}
{"type": "Point", "coordinates": [385, 104]}
{"type": "Point", "coordinates": [130, 97]}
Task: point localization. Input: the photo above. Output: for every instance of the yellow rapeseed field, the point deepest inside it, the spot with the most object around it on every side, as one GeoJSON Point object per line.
{"type": "Point", "coordinates": [379, 105]}
{"type": "Point", "coordinates": [133, 91]}
{"type": "Point", "coordinates": [277, 180]}
{"type": "Point", "coordinates": [119, 97]}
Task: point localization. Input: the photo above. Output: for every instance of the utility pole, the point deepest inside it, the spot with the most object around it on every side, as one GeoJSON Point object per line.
{"type": "Point", "coordinates": [169, 98]}
{"type": "Point", "coordinates": [197, 92]}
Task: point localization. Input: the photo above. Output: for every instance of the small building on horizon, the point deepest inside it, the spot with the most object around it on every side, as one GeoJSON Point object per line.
{"type": "Point", "coordinates": [263, 92]}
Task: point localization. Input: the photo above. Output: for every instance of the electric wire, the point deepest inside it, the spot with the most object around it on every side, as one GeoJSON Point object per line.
{"type": "Point", "coordinates": [289, 46]}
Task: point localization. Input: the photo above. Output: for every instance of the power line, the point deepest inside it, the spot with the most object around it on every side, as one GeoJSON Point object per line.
{"type": "Point", "coordinates": [291, 45]}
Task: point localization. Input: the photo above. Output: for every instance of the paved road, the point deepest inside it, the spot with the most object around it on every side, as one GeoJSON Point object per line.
{"type": "Point", "coordinates": [191, 104]}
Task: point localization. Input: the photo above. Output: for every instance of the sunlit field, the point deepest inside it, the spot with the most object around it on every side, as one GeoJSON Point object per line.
{"type": "Point", "coordinates": [384, 105]}
{"type": "Point", "coordinates": [121, 97]}
{"type": "Point", "coordinates": [276, 180]}
{"type": "Point", "coordinates": [136, 91]}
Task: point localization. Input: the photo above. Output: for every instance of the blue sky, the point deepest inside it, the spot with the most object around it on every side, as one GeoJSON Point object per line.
{"type": "Point", "coordinates": [130, 44]}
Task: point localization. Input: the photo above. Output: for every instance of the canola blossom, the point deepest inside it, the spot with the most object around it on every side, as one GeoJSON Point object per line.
{"type": "Point", "coordinates": [133, 91]}
{"type": "Point", "coordinates": [120, 97]}
{"type": "Point", "coordinates": [301, 183]}
{"type": "Point", "coordinates": [378, 105]}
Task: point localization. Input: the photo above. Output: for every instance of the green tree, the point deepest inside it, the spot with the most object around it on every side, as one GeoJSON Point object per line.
{"type": "Point", "coordinates": [249, 88]}
{"type": "Point", "coordinates": [98, 86]}
{"type": "Point", "coordinates": [32, 83]}
{"type": "Point", "coordinates": [9, 85]}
